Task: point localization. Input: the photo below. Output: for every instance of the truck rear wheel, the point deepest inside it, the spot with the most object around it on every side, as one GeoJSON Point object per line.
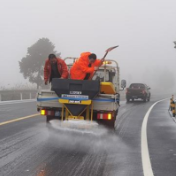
{"type": "Point", "coordinates": [107, 123]}
{"type": "Point", "coordinates": [111, 124]}
{"type": "Point", "coordinates": [49, 118]}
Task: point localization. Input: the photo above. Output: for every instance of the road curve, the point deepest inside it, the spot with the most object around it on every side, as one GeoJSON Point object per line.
{"type": "Point", "coordinates": [28, 148]}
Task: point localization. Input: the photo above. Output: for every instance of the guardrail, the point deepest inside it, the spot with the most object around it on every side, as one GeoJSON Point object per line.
{"type": "Point", "coordinates": [8, 95]}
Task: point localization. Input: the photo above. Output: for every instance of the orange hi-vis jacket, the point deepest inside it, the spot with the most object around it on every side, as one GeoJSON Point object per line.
{"type": "Point", "coordinates": [62, 68]}
{"type": "Point", "coordinates": [80, 68]}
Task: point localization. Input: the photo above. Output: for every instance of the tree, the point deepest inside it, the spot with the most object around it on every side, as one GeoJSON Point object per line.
{"type": "Point", "coordinates": [31, 66]}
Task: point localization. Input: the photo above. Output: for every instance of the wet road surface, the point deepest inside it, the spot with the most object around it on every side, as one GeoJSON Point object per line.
{"type": "Point", "coordinates": [29, 148]}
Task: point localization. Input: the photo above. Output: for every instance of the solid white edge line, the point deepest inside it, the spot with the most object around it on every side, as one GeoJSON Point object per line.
{"type": "Point", "coordinates": [146, 163]}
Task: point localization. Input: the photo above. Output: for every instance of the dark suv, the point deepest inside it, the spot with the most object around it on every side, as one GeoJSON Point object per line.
{"type": "Point", "coordinates": [138, 90]}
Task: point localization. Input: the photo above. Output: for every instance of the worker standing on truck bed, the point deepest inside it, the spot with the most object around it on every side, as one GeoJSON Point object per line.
{"type": "Point", "coordinates": [54, 68]}
{"type": "Point", "coordinates": [84, 67]}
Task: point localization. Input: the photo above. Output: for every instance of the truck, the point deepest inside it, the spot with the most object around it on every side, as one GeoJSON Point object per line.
{"type": "Point", "coordinates": [138, 91]}
{"type": "Point", "coordinates": [96, 100]}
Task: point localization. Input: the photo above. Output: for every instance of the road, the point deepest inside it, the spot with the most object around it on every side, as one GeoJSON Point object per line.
{"type": "Point", "coordinates": [28, 148]}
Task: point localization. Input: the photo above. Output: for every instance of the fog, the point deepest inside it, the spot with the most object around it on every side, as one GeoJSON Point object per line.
{"type": "Point", "coordinates": [144, 30]}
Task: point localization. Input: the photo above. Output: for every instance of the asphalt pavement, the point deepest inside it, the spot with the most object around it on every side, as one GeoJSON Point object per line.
{"type": "Point", "coordinates": [29, 148]}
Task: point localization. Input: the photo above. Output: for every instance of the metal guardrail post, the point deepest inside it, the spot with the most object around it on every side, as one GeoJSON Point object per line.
{"type": "Point", "coordinates": [30, 96]}
{"type": "Point", "coordinates": [21, 96]}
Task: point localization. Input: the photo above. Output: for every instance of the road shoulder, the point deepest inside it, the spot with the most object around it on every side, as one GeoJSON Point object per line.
{"type": "Point", "coordinates": [161, 132]}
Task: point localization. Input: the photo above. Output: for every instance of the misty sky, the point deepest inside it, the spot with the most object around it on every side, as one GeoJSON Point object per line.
{"type": "Point", "coordinates": [144, 29]}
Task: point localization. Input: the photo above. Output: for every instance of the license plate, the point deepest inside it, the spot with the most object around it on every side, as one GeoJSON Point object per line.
{"type": "Point", "coordinates": [74, 101]}
{"type": "Point", "coordinates": [57, 113]}
{"type": "Point", "coordinates": [76, 117]}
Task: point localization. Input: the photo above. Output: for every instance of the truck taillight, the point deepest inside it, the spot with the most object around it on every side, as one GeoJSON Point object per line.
{"type": "Point", "coordinates": [48, 112]}
{"type": "Point", "coordinates": [109, 116]}
{"type": "Point", "coordinates": [43, 112]}
{"type": "Point", "coordinates": [104, 116]}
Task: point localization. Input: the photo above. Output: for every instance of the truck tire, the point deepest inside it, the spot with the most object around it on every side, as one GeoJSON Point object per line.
{"type": "Point", "coordinates": [110, 124]}
{"type": "Point", "coordinates": [48, 118]}
{"type": "Point", "coordinates": [116, 113]}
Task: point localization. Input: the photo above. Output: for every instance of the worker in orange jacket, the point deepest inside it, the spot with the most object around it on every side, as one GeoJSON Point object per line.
{"type": "Point", "coordinates": [54, 68]}
{"type": "Point", "coordinates": [84, 67]}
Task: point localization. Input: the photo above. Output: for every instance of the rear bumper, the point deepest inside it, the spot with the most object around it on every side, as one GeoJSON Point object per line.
{"type": "Point", "coordinates": [137, 96]}
{"type": "Point", "coordinates": [97, 115]}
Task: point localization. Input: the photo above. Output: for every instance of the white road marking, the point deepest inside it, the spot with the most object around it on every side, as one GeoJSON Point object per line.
{"type": "Point", "coordinates": [18, 119]}
{"type": "Point", "coordinates": [146, 163]}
